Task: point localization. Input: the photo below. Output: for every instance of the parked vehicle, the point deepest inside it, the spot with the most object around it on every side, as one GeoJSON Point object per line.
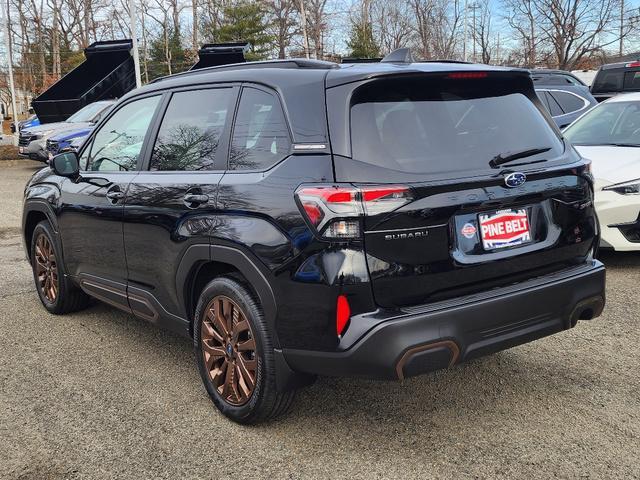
{"type": "Point", "coordinates": [299, 217]}
{"type": "Point", "coordinates": [32, 121]}
{"type": "Point", "coordinates": [68, 140]}
{"type": "Point", "coordinates": [616, 78]}
{"type": "Point", "coordinates": [566, 102]}
{"type": "Point", "coordinates": [32, 142]}
{"type": "Point", "coordinates": [609, 136]}
{"type": "Point", "coordinates": [547, 76]}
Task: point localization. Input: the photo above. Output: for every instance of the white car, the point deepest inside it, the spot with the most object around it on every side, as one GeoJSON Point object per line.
{"type": "Point", "coordinates": [609, 136]}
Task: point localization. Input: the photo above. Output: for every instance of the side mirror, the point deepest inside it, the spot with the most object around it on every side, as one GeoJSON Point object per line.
{"type": "Point", "coordinates": [66, 165]}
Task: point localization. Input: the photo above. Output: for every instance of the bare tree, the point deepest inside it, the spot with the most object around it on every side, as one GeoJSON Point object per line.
{"type": "Point", "coordinates": [438, 25]}
{"type": "Point", "coordinates": [285, 23]}
{"type": "Point", "coordinates": [482, 32]}
{"type": "Point", "coordinates": [578, 28]}
{"type": "Point", "coordinates": [392, 24]}
{"type": "Point", "coordinates": [523, 17]}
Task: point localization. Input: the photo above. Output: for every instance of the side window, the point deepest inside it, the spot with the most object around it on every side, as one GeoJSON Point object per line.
{"type": "Point", "coordinates": [260, 135]}
{"type": "Point", "coordinates": [191, 129]}
{"type": "Point", "coordinates": [553, 106]}
{"type": "Point", "coordinates": [118, 143]}
{"type": "Point", "coordinates": [569, 103]}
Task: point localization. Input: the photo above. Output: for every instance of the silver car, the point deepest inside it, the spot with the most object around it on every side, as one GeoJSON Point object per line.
{"type": "Point", "coordinates": [32, 142]}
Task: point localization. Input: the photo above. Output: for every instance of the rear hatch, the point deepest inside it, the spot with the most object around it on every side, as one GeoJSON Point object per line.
{"type": "Point", "coordinates": [466, 185]}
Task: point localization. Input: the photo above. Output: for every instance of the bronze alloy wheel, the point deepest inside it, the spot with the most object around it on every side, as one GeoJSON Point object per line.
{"type": "Point", "coordinates": [46, 268]}
{"type": "Point", "coordinates": [229, 350]}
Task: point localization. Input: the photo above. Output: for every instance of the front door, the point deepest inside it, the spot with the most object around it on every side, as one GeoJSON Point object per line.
{"type": "Point", "coordinates": [92, 207]}
{"type": "Point", "coordinates": [171, 204]}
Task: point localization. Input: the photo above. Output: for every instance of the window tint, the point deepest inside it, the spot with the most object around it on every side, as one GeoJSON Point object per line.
{"type": "Point", "coordinates": [440, 127]}
{"type": "Point", "coordinates": [552, 105]}
{"type": "Point", "coordinates": [608, 81]}
{"type": "Point", "coordinates": [260, 134]}
{"type": "Point", "coordinates": [117, 145]}
{"type": "Point", "coordinates": [191, 129]}
{"type": "Point", "coordinates": [568, 102]}
{"type": "Point", "coordinates": [632, 81]}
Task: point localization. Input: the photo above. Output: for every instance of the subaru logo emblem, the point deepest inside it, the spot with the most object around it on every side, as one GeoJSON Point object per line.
{"type": "Point", "coordinates": [515, 179]}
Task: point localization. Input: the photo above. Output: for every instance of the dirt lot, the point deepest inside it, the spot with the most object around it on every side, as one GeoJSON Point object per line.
{"type": "Point", "coordinates": [101, 394]}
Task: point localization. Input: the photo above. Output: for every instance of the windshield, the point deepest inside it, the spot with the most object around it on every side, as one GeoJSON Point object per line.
{"type": "Point", "coordinates": [440, 126]}
{"type": "Point", "coordinates": [88, 113]}
{"type": "Point", "coordinates": [608, 123]}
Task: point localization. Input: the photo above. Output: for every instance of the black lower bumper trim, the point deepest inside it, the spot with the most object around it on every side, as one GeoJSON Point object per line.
{"type": "Point", "coordinates": [416, 343]}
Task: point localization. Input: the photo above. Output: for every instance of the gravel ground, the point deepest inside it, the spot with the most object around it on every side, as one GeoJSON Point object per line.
{"type": "Point", "coordinates": [101, 394]}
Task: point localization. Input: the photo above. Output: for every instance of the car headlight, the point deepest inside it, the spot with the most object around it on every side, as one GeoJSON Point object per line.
{"type": "Point", "coordinates": [631, 187]}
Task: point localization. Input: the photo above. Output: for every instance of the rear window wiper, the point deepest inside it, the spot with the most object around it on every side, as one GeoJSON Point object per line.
{"type": "Point", "coordinates": [505, 158]}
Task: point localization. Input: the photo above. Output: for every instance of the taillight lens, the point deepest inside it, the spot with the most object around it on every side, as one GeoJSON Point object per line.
{"type": "Point", "coordinates": [335, 211]}
{"type": "Point", "coordinates": [384, 199]}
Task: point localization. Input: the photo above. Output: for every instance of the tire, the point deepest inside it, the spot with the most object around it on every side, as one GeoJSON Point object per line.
{"type": "Point", "coordinates": [223, 345]}
{"type": "Point", "coordinates": [60, 295]}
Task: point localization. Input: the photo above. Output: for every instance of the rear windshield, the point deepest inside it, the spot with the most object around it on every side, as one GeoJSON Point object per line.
{"type": "Point", "coordinates": [608, 81]}
{"type": "Point", "coordinates": [440, 126]}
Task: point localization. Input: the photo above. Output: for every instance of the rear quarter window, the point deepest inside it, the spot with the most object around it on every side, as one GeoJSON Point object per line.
{"type": "Point", "coordinates": [568, 102]}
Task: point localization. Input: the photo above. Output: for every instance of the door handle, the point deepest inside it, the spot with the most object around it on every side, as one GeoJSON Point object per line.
{"type": "Point", "coordinates": [195, 198]}
{"type": "Point", "coordinates": [115, 195]}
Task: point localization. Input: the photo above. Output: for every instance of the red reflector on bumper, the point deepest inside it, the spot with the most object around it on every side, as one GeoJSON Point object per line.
{"type": "Point", "coordinates": [343, 313]}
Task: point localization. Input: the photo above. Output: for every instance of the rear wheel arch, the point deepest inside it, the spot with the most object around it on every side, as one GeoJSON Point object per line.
{"type": "Point", "coordinates": [201, 263]}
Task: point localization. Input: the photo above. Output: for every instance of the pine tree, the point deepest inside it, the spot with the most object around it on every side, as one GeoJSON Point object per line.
{"type": "Point", "coordinates": [361, 41]}
{"type": "Point", "coordinates": [246, 22]}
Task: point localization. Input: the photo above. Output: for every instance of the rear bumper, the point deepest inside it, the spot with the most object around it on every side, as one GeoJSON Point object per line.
{"type": "Point", "coordinates": [441, 335]}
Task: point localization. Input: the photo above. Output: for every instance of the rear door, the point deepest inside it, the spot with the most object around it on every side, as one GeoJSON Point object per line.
{"type": "Point", "coordinates": [169, 204]}
{"type": "Point", "coordinates": [481, 190]}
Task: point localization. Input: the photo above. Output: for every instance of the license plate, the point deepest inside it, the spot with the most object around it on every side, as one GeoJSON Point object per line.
{"type": "Point", "coordinates": [504, 228]}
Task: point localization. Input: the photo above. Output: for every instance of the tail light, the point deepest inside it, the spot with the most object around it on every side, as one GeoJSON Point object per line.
{"type": "Point", "coordinates": [335, 211]}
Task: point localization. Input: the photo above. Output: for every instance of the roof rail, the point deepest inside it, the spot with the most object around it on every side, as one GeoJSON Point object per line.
{"type": "Point", "coordinates": [400, 55]}
{"type": "Point", "coordinates": [361, 60]}
{"type": "Point", "coordinates": [288, 63]}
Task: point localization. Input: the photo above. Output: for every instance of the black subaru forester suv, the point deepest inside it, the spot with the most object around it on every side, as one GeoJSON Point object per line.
{"type": "Point", "coordinates": [300, 217]}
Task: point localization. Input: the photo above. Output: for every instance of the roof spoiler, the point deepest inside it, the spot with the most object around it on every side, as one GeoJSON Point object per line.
{"type": "Point", "coordinates": [216, 54]}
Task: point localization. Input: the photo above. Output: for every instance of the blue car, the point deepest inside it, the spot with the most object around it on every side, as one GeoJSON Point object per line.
{"type": "Point", "coordinates": [69, 140]}
{"type": "Point", "coordinates": [32, 121]}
